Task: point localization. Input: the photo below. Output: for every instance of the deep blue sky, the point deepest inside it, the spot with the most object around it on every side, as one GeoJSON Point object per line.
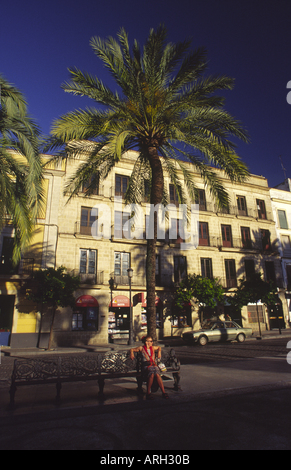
{"type": "Point", "coordinates": [249, 40]}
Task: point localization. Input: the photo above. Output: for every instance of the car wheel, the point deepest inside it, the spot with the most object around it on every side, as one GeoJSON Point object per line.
{"type": "Point", "coordinates": [241, 338]}
{"type": "Point", "coordinates": [203, 340]}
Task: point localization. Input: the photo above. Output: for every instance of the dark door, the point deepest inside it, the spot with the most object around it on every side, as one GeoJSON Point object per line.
{"type": "Point", "coordinates": [226, 236]}
{"type": "Point", "coordinates": [203, 234]}
{"type": "Point", "coordinates": [276, 316]}
{"type": "Point", "coordinates": [6, 317]}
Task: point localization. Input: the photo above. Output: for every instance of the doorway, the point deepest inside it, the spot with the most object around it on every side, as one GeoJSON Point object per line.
{"type": "Point", "coordinates": [276, 316]}
{"type": "Point", "coordinates": [6, 318]}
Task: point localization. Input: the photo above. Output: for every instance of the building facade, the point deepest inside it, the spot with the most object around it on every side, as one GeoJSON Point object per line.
{"type": "Point", "coordinates": [92, 237]}
{"type": "Point", "coordinates": [281, 204]}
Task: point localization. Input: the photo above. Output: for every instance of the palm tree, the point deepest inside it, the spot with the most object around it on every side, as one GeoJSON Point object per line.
{"type": "Point", "coordinates": [20, 167]}
{"type": "Point", "coordinates": [165, 109]}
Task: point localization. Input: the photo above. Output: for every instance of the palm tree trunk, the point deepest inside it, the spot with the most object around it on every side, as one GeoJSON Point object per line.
{"type": "Point", "coordinates": [156, 198]}
{"type": "Point", "coordinates": [52, 328]}
{"type": "Point", "coordinates": [40, 326]}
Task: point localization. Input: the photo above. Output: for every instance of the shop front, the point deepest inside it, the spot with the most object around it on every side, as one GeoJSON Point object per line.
{"type": "Point", "coordinates": [119, 318]}
{"type": "Point", "coordinates": [84, 323]}
{"type": "Point", "coordinates": [85, 314]}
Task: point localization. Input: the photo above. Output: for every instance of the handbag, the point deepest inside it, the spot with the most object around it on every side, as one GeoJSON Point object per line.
{"type": "Point", "coordinates": [160, 365]}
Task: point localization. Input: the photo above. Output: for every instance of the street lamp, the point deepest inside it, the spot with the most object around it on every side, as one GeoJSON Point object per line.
{"type": "Point", "coordinates": [112, 285]}
{"type": "Point", "coordinates": [130, 340]}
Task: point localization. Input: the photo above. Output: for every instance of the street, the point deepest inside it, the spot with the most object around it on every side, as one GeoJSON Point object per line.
{"type": "Point", "coordinates": [218, 352]}
{"type": "Point", "coordinates": [235, 397]}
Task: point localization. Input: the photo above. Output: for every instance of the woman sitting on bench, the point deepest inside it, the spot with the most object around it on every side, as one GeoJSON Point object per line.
{"type": "Point", "coordinates": [149, 366]}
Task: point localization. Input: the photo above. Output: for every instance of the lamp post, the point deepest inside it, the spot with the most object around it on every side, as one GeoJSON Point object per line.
{"type": "Point", "coordinates": [112, 285]}
{"type": "Point", "coordinates": [130, 340]}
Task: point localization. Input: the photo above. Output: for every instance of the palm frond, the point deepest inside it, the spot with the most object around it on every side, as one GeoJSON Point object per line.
{"type": "Point", "coordinates": [84, 84]}
{"type": "Point", "coordinates": [21, 192]}
{"type": "Point", "coordinates": [167, 102]}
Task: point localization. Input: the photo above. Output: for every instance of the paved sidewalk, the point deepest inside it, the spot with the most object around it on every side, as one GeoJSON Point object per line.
{"type": "Point", "coordinates": [235, 404]}
{"type": "Point", "coordinates": [196, 379]}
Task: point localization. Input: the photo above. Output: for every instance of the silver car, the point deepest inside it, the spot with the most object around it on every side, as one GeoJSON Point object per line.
{"type": "Point", "coordinates": [213, 331]}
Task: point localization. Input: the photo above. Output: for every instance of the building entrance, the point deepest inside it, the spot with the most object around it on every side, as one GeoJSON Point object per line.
{"type": "Point", "coordinates": [6, 318]}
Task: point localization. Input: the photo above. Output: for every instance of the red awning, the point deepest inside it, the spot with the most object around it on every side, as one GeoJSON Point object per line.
{"type": "Point", "coordinates": [87, 301]}
{"type": "Point", "coordinates": [120, 301]}
{"type": "Point", "coordinates": [159, 303]}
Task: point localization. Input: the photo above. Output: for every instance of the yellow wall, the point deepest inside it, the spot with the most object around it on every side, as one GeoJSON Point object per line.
{"type": "Point", "coordinates": [42, 210]}
{"type": "Point", "coordinates": [36, 246]}
{"type": "Point", "coordinates": [26, 323]}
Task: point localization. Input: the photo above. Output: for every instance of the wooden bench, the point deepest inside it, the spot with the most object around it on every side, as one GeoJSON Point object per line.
{"type": "Point", "coordinates": [84, 367]}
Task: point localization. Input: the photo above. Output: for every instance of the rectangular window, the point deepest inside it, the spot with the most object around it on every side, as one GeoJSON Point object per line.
{"type": "Point", "coordinates": [173, 234]}
{"type": "Point", "coordinates": [7, 266]}
{"type": "Point", "coordinates": [176, 231]}
{"type": "Point", "coordinates": [203, 234]}
{"type": "Point", "coordinates": [174, 199]}
{"type": "Point", "coordinates": [230, 272]}
{"type": "Point", "coordinates": [88, 218]}
{"type": "Point", "coordinates": [246, 237]}
{"type": "Point", "coordinates": [85, 319]}
{"type": "Point", "coordinates": [180, 268]}
{"type": "Point", "coordinates": [226, 236]}
{"type": "Point", "coordinates": [282, 219]}
{"type": "Point", "coordinates": [270, 272]}
{"type": "Point", "coordinates": [201, 200]}
{"type": "Point", "coordinates": [266, 240]}
{"type": "Point", "coordinates": [249, 269]}
{"type": "Point", "coordinates": [77, 321]}
{"type": "Point", "coordinates": [88, 265]}
{"type": "Point", "coordinates": [121, 184]}
{"type": "Point", "coordinates": [241, 205]}
{"type": "Point", "coordinates": [94, 186]}
{"type": "Point", "coordinates": [120, 219]}
{"type": "Point", "coordinates": [261, 209]}
{"type": "Point", "coordinates": [206, 268]}
{"type": "Point", "coordinates": [121, 265]}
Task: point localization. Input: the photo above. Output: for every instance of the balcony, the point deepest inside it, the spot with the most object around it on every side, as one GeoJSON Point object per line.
{"type": "Point", "coordinates": [264, 216]}
{"type": "Point", "coordinates": [228, 283]}
{"type": "Point", "coordinates": [139, 281]}
{"type": "Point", "coordinates": [85, 230]}
{"type": "Point", "coordinates": [208, 242]}
{"type": "Point", "coordinates": [230, 210]}
{"type": "Point", "coordinates": [239, 244]}
{"type": "Point", "coordinates": [93, 279]}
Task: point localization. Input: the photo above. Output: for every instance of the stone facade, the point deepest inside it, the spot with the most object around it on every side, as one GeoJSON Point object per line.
{"type": "Point", "coordinates": [231, 244]}
{"type": "Point", "coordinates": [281, 204]}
